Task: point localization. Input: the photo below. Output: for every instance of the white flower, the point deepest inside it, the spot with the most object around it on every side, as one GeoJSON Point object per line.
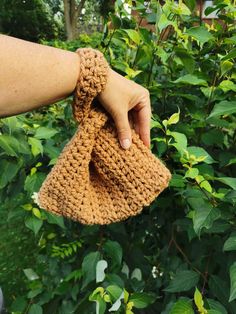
{"type": "Point", "coordinates": [35, 198]}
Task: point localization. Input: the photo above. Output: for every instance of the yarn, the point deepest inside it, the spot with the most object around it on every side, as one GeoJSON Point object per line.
{"type": "Point", "coordinates": [96, 181]}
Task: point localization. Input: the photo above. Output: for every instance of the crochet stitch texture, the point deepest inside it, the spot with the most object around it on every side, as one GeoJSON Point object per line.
{"type": "Point", "coordinates": [96, 181]}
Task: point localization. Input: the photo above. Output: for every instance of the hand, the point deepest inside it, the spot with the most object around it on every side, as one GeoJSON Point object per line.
{"type": "Point", "coordinates": [118, 98]}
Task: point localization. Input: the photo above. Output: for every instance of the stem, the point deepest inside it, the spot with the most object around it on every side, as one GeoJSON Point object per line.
{"type": "Point", "coordinates": [108, 44]}
{"type": "Point", "coordinates": [211, 200]}
{"type": "Point", "coordinates": [28, 306]}
{"type": "Point", "coordinates": [101, 238]}
{"type": "Point", "coordinates": [212, 92]}
{"type": "Point", "coordinates": [137, 50]}
{"type": "Point", "coordinates": [200, 9]}
{"type": "Point", "coordinates": [150, 72]}
{"type": "Point", "coordinates": [173, 240]}
{"type": "Point", "coordinates": [206, 274]}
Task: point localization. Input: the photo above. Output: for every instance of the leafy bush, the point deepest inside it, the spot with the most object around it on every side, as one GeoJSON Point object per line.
{"type": "Point", "coordinates": [178, 255]}
{"type": "Point", "coordinates": [30, 20]}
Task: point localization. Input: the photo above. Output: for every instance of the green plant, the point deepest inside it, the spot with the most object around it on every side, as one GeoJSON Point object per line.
{"type": "Point", "coordinates": [178, 255]}
{"type": "Point", "coordinates": [30, 20]}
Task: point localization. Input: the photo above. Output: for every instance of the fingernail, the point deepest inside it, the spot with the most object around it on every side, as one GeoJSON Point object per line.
{"type": "Point", "coordinates": [125, 143]}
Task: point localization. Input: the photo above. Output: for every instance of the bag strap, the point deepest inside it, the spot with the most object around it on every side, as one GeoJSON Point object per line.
{"type": "Point", "coordinates": [92, 81]}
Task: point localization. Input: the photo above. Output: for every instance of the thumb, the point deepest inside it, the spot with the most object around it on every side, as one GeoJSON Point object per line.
{"type": "Point", "coordinates": [123, 129]}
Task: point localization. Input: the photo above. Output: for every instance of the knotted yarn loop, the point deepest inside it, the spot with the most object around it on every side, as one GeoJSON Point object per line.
{"type": "Point", "coordinates": [92, 81]}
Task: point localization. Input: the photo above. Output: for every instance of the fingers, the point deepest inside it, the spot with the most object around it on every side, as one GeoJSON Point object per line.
{"type": "Point", "coordinates": [135, 120]}
{"type": "Point", "coordinates": [123, 129]}
{"type": "Point", "coordinates": [143, 119]}
{"type": "Point", "coordinates": [135, 98]}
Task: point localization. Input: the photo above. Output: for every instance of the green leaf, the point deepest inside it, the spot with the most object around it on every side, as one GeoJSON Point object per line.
{"type": "Point", "coordinates": [141, 300]}
{"type": "Point", "coordinates": [230, 55]}
{"type": "Point", "coordinates": [36, 212]}
{"type": "Point", "coordinates": [115, 307]}
{"type": "Point", "coordinates": [133, 35]}
{"type": "Point", "coordinates": [55, 219]}
{"type": "Point", "coordinates": [183, 281]}
{"type": "Point", "coordinates": [33, 224]}
{"type": "Point", "coordinates": [35, 309]}
{"type": "Point", "coordinates": [100, 270]}
{"type": "Point", "coordinates": [230, 243]}
{"type": "Point", "coordinates": [9, 145]}
{"type": "Point", "coordinates": [30, 274]}
{"type": "Point", "coordinates": [98, 290]}
{"type": "Point", "coordinates": [182, 307]}
{"type": "Point", "coordinates": [163, 22]}
{"type": "Point", "coordinates": [225, 66]}
{"type": "Point", "coordinates": [190, 79]}
{"type": "Point", "coordinates": [19, 305]}
{"type": "Point", "coordinates": [97, 296]}
{"type": "Point", "coordinates": [213, 137]}
{"type": "Point", "coordinates": [51, 151]}
{"type": "Point", "coordinates": [116, 21]}
{"type": "Point", "coordinates": [219, 288]}
{"type": "Point", "coordinates": [191, 173]}
{"type": "Point", "coordinates": [231, 40]}
{"type": "Point", "coordinates": [211, 8]}
{"type": "Point", "coordinates": [216, 306]}
{"type": "Point", "coordinates": [114, 291]}
{"type": "Point", "coordinates": [228, 181]}
{"type": "Point", "coordinates": [213, 312]}
{"type": "Point", "coordinates": [155, 124]}
{"type": "Point", "coordinates": [114, 250]}
{"type": "Point", "coordinates": [204, 184]}
{"type": "Point", "coordinates": [224, 107]}
{"type": "Point", "coordinates": [76, 274]}
{"type": "Point", "coordinates": [100, 305]}
{"type": "Point", "coordinates": [232, 273]}
{"type": "Point", "coordinates": [198, 203]}
{"type": "Point", "coordinates": [177, 181]}
{"type": "Point", "coordinates": [227, 85]}
{"type": "Point", "coordinates": [183, 9]}
{"type": "Point", "coordinates": [174, 118]}
{"type": "Point", "coordinates": [204, 219]}
{"type": "Point", "coordinates": [89, 267]}
{"type": "Point", "coordinates": [200, 33]}
{"type": "Point", "coordinates": [36, 146]}
{"type": "Point", "coordinates": [44, 133]}
{"type": "Point", "coordinates": [34, 182]}
{"type": "Point", "coordinates": [186, 59]}
{"type": "Point", "coordinates": [12, 123]}
{"type": "Point", "coordinates": [131, 73]}
{"type": "Point", "coordinates": [33, 293]}
{"type": "Point", "coordinates": [9, 170]}
{"type": "Point", "coordinates": [200, 152]}
{"type": "Point", "coordinates": [180, 140]}
{"type": "Point", "coordinates": [191, 4]}
{"type": "Point", "coordinates": [199, 302]}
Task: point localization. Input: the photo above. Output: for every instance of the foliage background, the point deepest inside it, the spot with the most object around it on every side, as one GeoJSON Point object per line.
{"type": "Point", "coordinates": [178, 256]}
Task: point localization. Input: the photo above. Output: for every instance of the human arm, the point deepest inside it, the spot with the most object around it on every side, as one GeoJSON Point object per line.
{"type": "Point", "coordinates": [34, 75]}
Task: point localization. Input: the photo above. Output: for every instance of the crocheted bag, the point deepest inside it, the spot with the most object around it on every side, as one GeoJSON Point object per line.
{"type": "Point", "coordinates": [95, 180]}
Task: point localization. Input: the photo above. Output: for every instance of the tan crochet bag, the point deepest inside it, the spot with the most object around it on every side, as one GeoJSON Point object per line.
{"type": "Point", "coordinates": [96, 181]}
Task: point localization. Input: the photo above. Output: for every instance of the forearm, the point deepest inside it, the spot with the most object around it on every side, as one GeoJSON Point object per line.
{"type": "Point", "coordinates": [34, 75]}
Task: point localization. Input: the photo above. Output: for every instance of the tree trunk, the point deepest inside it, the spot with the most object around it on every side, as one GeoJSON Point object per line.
{"type": "Point", "coordinates": [72, 11]}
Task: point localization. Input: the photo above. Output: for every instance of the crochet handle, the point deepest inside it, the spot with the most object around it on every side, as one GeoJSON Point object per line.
{"type": "Point", "coordinates": [92, 80]}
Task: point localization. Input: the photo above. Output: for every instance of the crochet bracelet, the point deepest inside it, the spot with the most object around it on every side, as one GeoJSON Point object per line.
{"type": "Point", "coordinates": [92, 81]}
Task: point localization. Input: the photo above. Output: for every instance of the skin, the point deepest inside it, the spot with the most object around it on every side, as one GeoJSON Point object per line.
{"type": "Point", "coordinates": [34, 75]}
